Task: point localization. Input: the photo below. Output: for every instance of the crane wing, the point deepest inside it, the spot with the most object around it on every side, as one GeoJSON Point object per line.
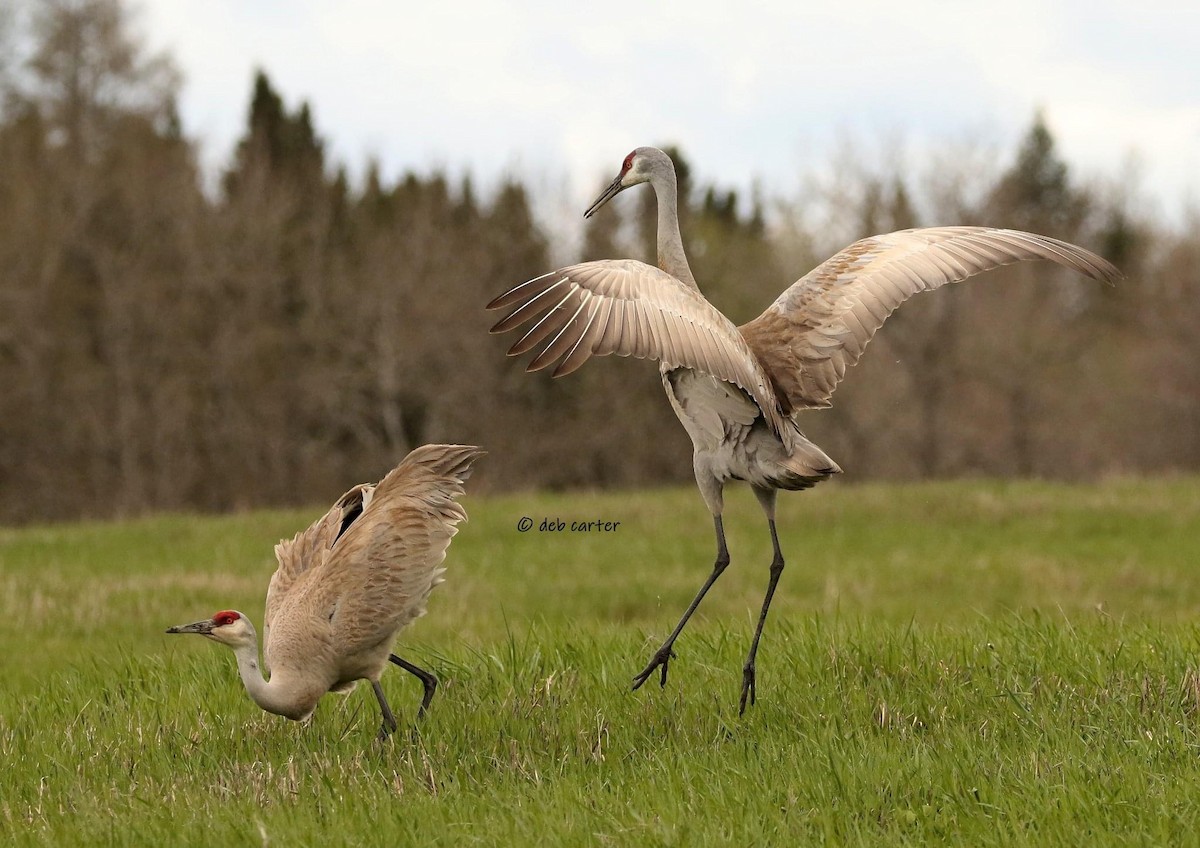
{"type": "Point", "coordinates": [629, 308]}
{"type": "Point", "coordinates": [308, 550]}
{"type": "Point", "coordinates": [819, 326]}
{"type": "Point", "coordinates": [380, 571]}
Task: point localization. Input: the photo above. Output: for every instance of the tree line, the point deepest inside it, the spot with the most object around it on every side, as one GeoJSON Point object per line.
{"type": "Point", "coordinates": [274, 338]}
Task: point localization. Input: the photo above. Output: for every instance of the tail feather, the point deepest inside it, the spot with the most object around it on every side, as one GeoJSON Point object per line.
{"type": "Point", "coordinates": [805, 466]}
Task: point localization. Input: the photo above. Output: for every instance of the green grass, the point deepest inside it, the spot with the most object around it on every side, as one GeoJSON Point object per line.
{"type": "Point", "coordinates": [962, 663]}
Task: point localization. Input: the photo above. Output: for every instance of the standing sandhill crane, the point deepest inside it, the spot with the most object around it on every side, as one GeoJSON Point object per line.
{"type": "Point", "coordinates": [738, 390]}
{"type": "Point", "coordinates": [348, 585]}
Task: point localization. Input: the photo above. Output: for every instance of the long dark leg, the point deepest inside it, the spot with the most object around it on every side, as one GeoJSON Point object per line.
{"type": "Point", "coordinates": [748, 668]}
{"type": "Point", "coordinates": [389, 721]}
{"type": "Point", "coordinates": [664, 654]}
{"type": "Point", "coordinates": [426, 677]}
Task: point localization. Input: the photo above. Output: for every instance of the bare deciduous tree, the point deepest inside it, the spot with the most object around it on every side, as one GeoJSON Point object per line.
{"type": "Point", "coordinates": [164, 348]}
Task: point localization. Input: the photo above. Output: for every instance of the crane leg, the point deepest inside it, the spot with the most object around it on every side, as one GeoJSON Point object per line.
{"type": "Point", "coordinates": [427, 678]}
{"type": "Point", "coordinates": [664, 654]}
{"type": "Point", "coordinates": [748, 668]}
{"type": "Point", "coordinates": [389, 721]}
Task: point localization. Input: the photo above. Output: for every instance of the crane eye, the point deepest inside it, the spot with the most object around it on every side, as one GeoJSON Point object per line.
{"type": "Point", "coordinates": [225, 617]}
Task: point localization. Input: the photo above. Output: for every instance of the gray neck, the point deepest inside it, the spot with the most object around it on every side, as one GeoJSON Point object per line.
{"type": "Point", "coordinates": [671, 257]}
{"type": "Point", "coordinates": [266, 694]}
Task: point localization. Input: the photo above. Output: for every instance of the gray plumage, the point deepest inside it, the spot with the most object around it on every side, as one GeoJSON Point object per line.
{"type": "Point", "coordinates": [737, 390]}
{"type": "Point", "coordinates": [348, 584]}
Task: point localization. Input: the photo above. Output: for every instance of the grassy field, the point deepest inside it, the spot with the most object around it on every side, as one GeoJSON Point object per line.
{"type": "Point", "coordinates": [962, 663]}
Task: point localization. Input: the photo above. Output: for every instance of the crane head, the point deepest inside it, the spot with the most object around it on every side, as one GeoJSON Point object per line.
{"type": "Point", "coordinates": [229, 627]}
{"type": "Point", "coordinates": [639, 166]}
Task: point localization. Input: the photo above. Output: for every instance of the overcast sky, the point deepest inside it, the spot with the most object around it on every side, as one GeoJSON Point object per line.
{"type": "Point", "coordinates": [559, 91]}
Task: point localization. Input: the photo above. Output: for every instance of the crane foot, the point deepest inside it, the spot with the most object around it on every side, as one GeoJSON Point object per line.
{"type": "Point", "coordinates": [660, 660]}
{"type": "Point", "coordinates": [386, 729]}
{"type": "Point", "coordinates": [747, 688]}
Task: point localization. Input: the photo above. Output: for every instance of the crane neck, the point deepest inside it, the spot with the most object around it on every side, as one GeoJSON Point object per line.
{"type": "Point", "coordinates": [671, 257]}
{"type": "Point", "coordinates": [272, 695]}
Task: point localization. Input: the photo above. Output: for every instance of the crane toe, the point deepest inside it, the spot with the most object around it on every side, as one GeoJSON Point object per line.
{"type": "Point", "coordinates": [660, 660]}
{"type": "Point", "coordinates": [747, 688]}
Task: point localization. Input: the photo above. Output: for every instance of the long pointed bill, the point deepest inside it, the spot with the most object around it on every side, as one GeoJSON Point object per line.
{"type": "Point", "coordinates": [614, 188]}
{"type": "Point", "coordinates": [202, 627]}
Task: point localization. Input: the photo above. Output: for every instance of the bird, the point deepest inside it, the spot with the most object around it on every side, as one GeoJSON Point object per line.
{"type": "Point", "coordinates": [347, 585]}
{"type": "Point", "coordinates": [739, 391]}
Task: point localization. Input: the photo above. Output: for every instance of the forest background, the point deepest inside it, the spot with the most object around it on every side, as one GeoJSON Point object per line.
{"type": "Point", "coordinates": [173, 342]}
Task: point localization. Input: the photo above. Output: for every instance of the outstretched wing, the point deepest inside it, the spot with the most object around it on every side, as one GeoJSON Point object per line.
{"type": "Point", "coordinates": [820, 326]}
{"type": "Point", "coordinates": [379, 573]}
{"type": "Point", "coordinates": [629, 308]}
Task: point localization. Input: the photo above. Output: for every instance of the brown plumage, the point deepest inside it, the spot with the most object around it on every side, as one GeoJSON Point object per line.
{"type": "Point", "coordinates": [820, 326]}
{"type": "Point", "coordinates": [737, 390]}
{"type": "Point", "coordinates": [348, 584]}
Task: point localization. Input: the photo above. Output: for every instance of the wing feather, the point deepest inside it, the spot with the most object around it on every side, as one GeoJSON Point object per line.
{"type": "Point", "coordinates": [580, 352]}
{"type": "Point", "coordinates": [564, 342]}
{"type": "Point", "coordinates": [613, 320]}
{"type": "Point", "coordinates": [644, 312]}
{"type": "Point", "coordinates": [379, 573]}
{"type": "Point", "coordinates": [307, 552]}
{"type": "Point", "coordinates": [820, 326]}
{"type": "Point", "coordinates": [531, 307]}
{"type": "Point", "coordinates": [539, 332]}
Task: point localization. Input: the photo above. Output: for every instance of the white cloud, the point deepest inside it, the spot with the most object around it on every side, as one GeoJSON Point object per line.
{"type": "Point", "coordinates": [569, 88]}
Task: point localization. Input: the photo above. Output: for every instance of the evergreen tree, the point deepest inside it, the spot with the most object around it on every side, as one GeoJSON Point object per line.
{"type": "Point", "coordinates": [1036, 193]}
{"type": "Point", "coordinates": [283, 147]}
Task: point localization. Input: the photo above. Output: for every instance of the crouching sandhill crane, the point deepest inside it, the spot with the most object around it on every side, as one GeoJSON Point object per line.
{"type": "Point", "coordinates": [738, 390]}
{"type": "Point", "coordinates": [347, 585]}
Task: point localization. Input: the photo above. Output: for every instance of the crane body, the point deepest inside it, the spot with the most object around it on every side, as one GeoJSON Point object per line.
{"type": "Point", "coordinates": [738, 391]}
{"type": "Point", "coordinates": [347, 585]}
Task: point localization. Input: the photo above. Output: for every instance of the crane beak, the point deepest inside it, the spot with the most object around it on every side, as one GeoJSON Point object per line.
{"type": "Point", "coordinates": [204, 628]}
{"type": "Point", "coordinates": [614, 188]}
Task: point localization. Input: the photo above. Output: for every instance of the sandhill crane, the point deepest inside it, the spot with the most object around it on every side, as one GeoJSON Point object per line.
{"type": "Point", "coordinates": [347, 585]}
{"type": "Point", "coordinates": [738, 390]}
